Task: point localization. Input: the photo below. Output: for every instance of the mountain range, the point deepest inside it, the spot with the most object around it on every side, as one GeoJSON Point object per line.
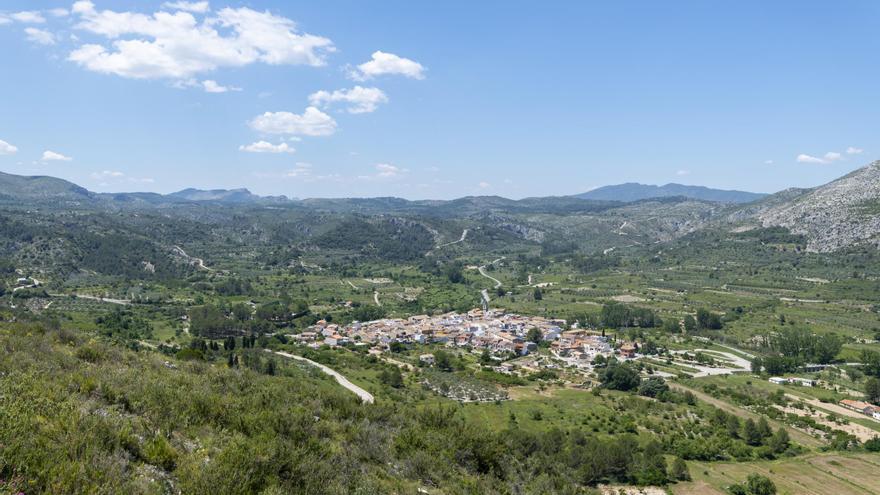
{"type": "Point", "coordinates": [842, 213]}
{"type": "Point", "coordinates": [633, 191]}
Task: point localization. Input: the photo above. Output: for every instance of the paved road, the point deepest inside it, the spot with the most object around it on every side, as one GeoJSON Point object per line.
{"type": "Point", "coordinates": [482, 270]}
{"type": "Point", "coordinates": [198, 261]}
{"type": "Point", "coordinates": [365, 396]}
{"type": "Point", "coordinates": [463, 237]}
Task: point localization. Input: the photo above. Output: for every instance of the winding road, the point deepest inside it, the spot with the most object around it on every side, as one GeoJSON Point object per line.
{"type": "Point", "coordinates": [463, 237]}
{"type": "Point", "coordinates": [376, 298]}
{"type": "Point", "coordinates": [366, 397]}
{"type": "Point", "coordinates": [482, 270]}
{"type": "Point", "coordinates": [200, 263]}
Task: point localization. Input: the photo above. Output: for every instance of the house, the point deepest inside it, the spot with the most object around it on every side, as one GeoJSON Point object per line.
{"type": "Point", "coordinates": [427, 359]}
{"type": "Point", "coordinates": [305, 336]}
{"type": "Point", "coordinates": [778, 380]}
{"type": "Point", "coordinates": [628, 351]}
{"type": "Point", "coordinates": [336, 339]}
{"type": "Point", "coordinates": [858, 406]}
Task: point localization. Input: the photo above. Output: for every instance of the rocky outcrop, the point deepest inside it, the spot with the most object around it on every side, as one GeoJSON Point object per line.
{"type": "Point", "coordinates": [839, 214]}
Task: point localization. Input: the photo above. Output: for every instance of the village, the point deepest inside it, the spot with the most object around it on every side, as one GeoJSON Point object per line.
{"type": "Point", "coordinates": [504, 335]}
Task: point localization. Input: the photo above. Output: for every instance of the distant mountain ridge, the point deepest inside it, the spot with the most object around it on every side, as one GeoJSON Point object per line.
{"type": "Point", "coordinates": [634, 191]}
{"type": "Point", "coordinates": [240, 195]}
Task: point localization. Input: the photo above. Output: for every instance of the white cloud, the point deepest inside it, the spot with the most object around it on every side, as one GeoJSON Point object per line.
{"type": "Point", "coordinates": [827, 158]}
{"type": "Point", "coordinates": [386, 170]}
{"type": "Point", "coordinates": [107, 174]}
{"type": "Point", "coordinates": [312, 122]}
{"type": "Point", "coordinates": [211, 86]}
{"type": "Point", "coordinates": [4, 20]}
{"type": "Point", "coordinates": [302, 169]}
{"type": "Point", "coordinates": [39, 36]}
{"type": "Point", "coordinates": [7, 149]}
{"type": "Point", "coordinates": [197, 7]}
{"type": "Point", "coordinates": [179, 46]}
{"type": "Point", "coordinates": [387, 63]}
{"type": "Point", "coordinates": [28, 17]}
{"type": "Point", "coordinates": [266, 147]}
{"type": "Point", "coordinates": [682, 173]}
{"type": "Point", "coordinates": [59, 12]}
{"type": "Point", "coordinates": [768, 162]}
{"type": "Point", "coordinates": [208, 85]}
{"type": "Point", "coordinates": [49, 156]}
{"type": "Point", "coordinates": [854, 151]}
{"type": "Point", "coordinates": [360, 99]}
{"type": "Point", "coordinates": [484, 185]}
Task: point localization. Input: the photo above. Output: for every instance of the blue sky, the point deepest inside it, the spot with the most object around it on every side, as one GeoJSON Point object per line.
{"type": "Point", "coordinates": [438, 99]}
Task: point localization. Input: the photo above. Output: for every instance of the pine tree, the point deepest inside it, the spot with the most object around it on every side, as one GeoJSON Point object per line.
{"type": "Point", "coordinates": [679, 470]}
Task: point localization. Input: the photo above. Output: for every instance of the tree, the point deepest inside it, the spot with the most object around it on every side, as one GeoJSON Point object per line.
{"type": "Point", "coordinates": [690, 324]}
{"type": "Point", "coordinates": [271, 367]}
{"type": "Point", "coordinates": [443, 361]}
{"type": "Point", "coordinates": [679, 470]}
{"type": "Point", "coordinates": [756, 365]}
{"type": "Point", "coordinates": [652, 387]}
{"type": "Point", "coordinates": [779, 442]}
{"type": "Point", "coordinates": [758, 484]}
{"type": "Point", "coordinates": [872, 390]}
{"type": "Point", "coordinates": [620, 377]}
{"type": "Point", "coordinates": [534, 335]}
{"type": "Point", "coordinates": [538, 294]}
{"type": "Point", "coordinates": [764, 428]}
{"type": "Point", "coordinates": [775, 365]}
{"type": "Point", "coordinates": [391, 377]}
{"type": "Point", "coordinates": [707, 320]}
{"type": "Point", "coordinates": [750, 433]}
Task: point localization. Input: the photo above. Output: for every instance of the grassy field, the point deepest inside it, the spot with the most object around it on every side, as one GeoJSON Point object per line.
{"type": "Point", "coordinates": [815, 474]}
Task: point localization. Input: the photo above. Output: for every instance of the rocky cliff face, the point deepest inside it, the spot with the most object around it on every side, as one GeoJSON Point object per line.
{"type": "Point", "coordinates": [839, 214]}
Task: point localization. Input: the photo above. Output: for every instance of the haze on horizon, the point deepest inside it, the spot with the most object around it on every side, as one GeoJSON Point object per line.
{"type": "Point", "coordinates": [437, 101]}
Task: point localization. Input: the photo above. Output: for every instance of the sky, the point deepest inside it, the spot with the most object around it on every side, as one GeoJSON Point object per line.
{"type": "Point", "coordinates": [438, 99]}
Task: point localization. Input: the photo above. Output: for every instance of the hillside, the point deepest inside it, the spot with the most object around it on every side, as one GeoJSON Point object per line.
{"type": "Point", "coordinates": [19, 188]}
{"type": "Point", "coordinates": [633, 191]}
{"type": "Point", "coordinates": [841, 213]}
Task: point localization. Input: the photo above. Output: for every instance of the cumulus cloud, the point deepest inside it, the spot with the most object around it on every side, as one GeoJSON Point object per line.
{"type": "Point", "coordinates": [197, 7]}
{"type": "Point", "coordinates": [59, 12]}
{"type": "Point", "coordinates": [386, 170]}
{"type": "Point", "coordinates": [7, 149]}
{"type": "Point", "coordinates": [302, 169]}
{"type": "Point", "coordinates": [107, 176]}
{"type": "Point", "coordinates": [28, 17]}
{"type": "Point", "coordinates": [51, 156]}
{"type": "Point", "coordinates": [359, 99]}
{"type": "Point", "coordinates": [178, 45]}
{"type": "Point", "coordinates": [211, 86]}
{"type": "Point", "coordinates": [39, 36]}
{"type": "Point", "coordinates": [484, 185]}
{"type": "Point", "coordinates": [830, 157]}
{"type": "Point", "coordinates": [267, 147]}
{"type": "Point", "coordinates": [854, 151]}
{"type": "Point", "coordinates": [383, 63]}
{"type": "Point", "coordinates": [312, 122]}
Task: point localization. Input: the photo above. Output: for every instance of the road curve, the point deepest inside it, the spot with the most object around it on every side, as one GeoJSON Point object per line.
{"type": "Point", "coordinates": [365, 396]}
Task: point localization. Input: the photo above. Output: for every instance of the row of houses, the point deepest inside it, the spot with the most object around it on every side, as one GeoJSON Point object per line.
{"type": "Point", "coordinates": [862, 407]}
{"type": "Point", "coordinates": [780, 380]}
